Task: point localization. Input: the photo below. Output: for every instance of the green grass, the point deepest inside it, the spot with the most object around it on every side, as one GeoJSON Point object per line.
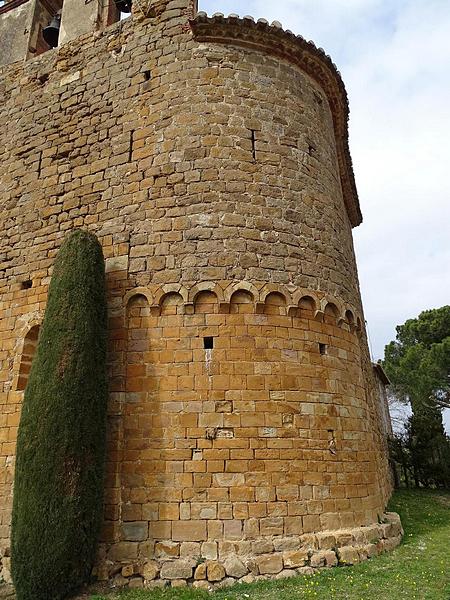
{"type": "Point", "coordinates": [417, 570]}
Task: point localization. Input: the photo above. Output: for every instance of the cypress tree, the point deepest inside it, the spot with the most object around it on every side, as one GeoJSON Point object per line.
{"type": "Point", "coordinates": [58, 485]}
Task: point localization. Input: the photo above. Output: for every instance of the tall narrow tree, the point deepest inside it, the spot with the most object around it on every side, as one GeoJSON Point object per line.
{"type": "Point", "coordinates": [58, 486]}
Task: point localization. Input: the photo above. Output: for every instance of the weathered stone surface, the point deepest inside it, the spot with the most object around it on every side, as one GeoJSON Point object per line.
{"type": "Point", "coordinates": [269, 563]}
{"type": "Point", "coordinates": [286, 574]}
{"type": "Point", "coordinates": [286, 543]}
{"type": "Point", "coordinates": [177, 569]}
{"type": "Point", "coordinates": [135, 531]}
{"type": "Point", "coordinates": [150, 570]}
{"type": "Point", "coordinates": [123, 551]}
{"type": "Point", "coordinates": [214, 571]}
{"type": "Point", "coordinates": [202, 585]}
{"type": "Point", "coordinates": [200, 571]}
{"type": "Point", "coordinates": [191, 531]}
{"type": "Point", "coordinates": [6, 569]}
{"type": "Point", "coordinates": [209, 550]}
{"type": "Point", "coordinates": [136, 582]}
{"type": "Point", "coordinates": [348, 555]}
{"type": "Point", "coordinates": [235, 567]}
{"type": "Point", "coordinates": [326, 541]}
{"type": "Point", "coordinates": [262, 546]}
{"type": "Point", "coordinates": [324, 558]}
{"type": "Point", "coordinates": [127, 570]}
{"type": "Point", "coordinates": [227, 582]}
{"type": "Point", "coordinates": [167, 549]}
{"type": "Point", "coordinates": [295, 558]}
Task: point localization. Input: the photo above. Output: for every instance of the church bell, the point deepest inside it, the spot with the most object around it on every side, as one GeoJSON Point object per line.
{"type": "Point", "coordinates": [123, 5]}
{"type": "Point", "coordinates": [51, 32]}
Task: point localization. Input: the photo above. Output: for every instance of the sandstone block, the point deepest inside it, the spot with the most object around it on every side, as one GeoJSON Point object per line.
{"type": "Point", "coordinates": [135, 583]}
{"type": "Point", "coordinates": [167, 549]}
{"type": "Point", "coordinates": [190, 549]}
{"type": "Point", "coordinates": [295, 558]}
{"type": "Point", "coordinates": [227, 582]}
{"type": "Point", "coordinates": [177, 583]}
{"type": "Point", "coordinates": [247, 578]}
{"type": "Point", "coordinates": [155, 584]}
{"type": "Point", "coordinates": [348, 555]}
{"type": "Point", "coordinates": [286, 543]}
{"type": "Point", "coordinates": [271, 526]}
{"type": "Point", "coordinates": [116, 263]}
{"type": "Point", "coordinates": [326, 541]}
{"type": "Point", "coordinates": [269, 564]}
{"type": "Point", "coordinates": [127, 570]}
{"type": "Point", "coordinates": [150, 570]}
{"type": "Point", "coordinates": [286, 573]}
{"type": "Point", "coordinates": [189, 531]}
{"type": "Point", "coordinates": [177, 569]}
{"type": "Point", "coordinates": [202, 585]}
{"type": "Point", "coordinates": [200, 571]}
{"type": "Point", "coordinates": [214, 571]}
{"type": "Point", "coordinates": [6, 569]}
{"type": "Point", "coordinates": [135, 531]}
{"type": "Point", "coordinates": [262, 546]}
{"type": "Point", "coordinates": [209, 550]}
{"type": "Point", "coordinates": [123, 551]}
{"type": "Point", "coordinates": [235, 567]}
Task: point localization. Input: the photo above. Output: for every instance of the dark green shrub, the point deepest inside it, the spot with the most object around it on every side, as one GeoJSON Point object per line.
{"type": "Point", "coordinates": [58, 486]}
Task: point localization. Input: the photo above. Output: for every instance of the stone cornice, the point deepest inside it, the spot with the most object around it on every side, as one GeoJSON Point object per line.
{"type": "Point", "coordinates": [272, 39]}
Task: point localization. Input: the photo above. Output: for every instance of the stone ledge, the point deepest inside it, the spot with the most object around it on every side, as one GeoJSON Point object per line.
{"type": "Point", "coordinates": [273, 557]}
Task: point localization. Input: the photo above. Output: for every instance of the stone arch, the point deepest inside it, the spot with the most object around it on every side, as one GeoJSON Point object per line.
{"type": "Point", "coordinates": [242, 301]}
{"type": "Point", "coordinates": [159, 295]}
{"type": "Point", "coordinates": [273, 288]}
{"type": "Point", "coordinates": [241, 286]}
{"type": "Point", "coordinates": [206, 286]}
{"type": "Point", "coordinates": [171, 303]}
{"type": "Point", "coordinates": [331, 313]}
{"type": "Point", "coordinates": [351, 320]}
{"type": "Point", "coordinates": [206, 302]}
{"type": "Point", "coordinates": [275, 303]}
{"type": "Point", "coordinates": [139, 291]}
{"type": "Point", "coordinates": [28, 352]}
{"type": "Point", "coordinates": [307, 307]}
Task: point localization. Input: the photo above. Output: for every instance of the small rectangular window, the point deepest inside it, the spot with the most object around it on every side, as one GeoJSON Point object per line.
{"type": "Point", "coordinates": [322, 348]}
{"type": "Point", "coordinates": [208, 343]}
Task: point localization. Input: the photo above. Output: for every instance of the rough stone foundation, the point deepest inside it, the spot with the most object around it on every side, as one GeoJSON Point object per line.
{"type": "Point", "coordinates": [211, 565]}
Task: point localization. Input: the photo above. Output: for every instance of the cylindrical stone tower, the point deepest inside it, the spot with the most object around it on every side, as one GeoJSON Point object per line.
{"type": "Point", "coordinates": [210, 156]}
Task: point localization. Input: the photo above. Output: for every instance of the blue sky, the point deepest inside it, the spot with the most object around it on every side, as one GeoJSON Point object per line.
{"type": "Point", "coordinates": [394, 56]}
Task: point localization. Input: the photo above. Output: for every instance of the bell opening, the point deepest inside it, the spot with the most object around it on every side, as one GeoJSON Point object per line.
{"type": "Point", "coordinates": [123, 6]}
{"type": "Point", "coordinates": [51, 32]}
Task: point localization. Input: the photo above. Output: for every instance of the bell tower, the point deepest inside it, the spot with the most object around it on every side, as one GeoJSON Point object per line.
{"type": "Point", "coordinates": [31, 27]}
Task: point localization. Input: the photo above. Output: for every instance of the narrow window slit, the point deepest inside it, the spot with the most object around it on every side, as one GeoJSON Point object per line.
{"type": "Point", "coordinates": [253, 139]}
{"type": "Point", "coordinates": [208, 343]}
{"type": "Point", "coordinates": [130, 150]}
{"type": "Point", "coordinates": [39, 164]}
{"type": "Point", "coordinates": [322, 348]}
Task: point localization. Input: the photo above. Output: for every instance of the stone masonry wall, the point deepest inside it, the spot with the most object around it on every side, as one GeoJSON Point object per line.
{"type": "Point", "coordinates": [212, 173]}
